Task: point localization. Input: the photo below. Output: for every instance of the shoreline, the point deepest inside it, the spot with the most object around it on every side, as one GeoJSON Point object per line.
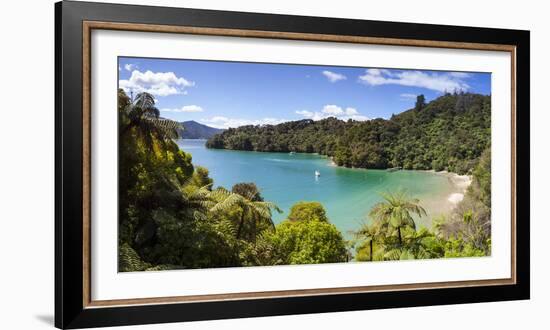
{"type": "Point", "coordinates": [461, 183]}
{"type": "Point", "coordinates": [446, 204]}
{"type": "Point", "coordinates": [441, 205]}
{"type": "Point", "coordinates": [439, 192]}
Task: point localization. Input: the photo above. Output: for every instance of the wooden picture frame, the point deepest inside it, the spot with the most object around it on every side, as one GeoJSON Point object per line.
{"type": "Point", "coordinates": [75, 308]}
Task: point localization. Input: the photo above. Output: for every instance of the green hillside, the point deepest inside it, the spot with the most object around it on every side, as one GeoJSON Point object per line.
{"type": "Point", "coordinates": [448, 133]}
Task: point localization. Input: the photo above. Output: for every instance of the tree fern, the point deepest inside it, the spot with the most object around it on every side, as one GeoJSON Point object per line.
{"type": "Point", "coordinates": [394, 213]}
{"type": "Point", "coordinates": [252, 212]}
{"type": "Point", "coordinates": [145, 117]}
{"type": "Point", "coordinates": [129, 260]}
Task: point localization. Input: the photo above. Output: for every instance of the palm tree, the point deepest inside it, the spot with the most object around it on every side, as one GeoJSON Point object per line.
{"type": "Point", "coordinates": [255, 212]}
{"type": "Point", "coordinates": [394, 213]}
{"type": "Point", "coordinates": [368, 233]}
{"type": "Point", "coordinates": [421, 244]}
{"type": "Point", "coordinates": [142, 114]}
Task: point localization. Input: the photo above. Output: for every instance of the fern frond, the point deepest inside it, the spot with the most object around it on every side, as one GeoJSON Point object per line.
{"type": "Point", "coordinates": [167, 128]}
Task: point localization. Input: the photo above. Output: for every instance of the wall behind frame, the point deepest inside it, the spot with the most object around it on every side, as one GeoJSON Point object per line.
{"type": "Point", "coordinates": [27, 168]}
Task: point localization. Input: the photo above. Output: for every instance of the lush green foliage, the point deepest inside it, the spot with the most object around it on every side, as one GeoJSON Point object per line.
{"type": "Point", "coordinates": [164, 200]}
{"type": "Point", "coordinates": [449, 133]}
{"type": "Point", "coordinates": [471, 220]}
{"type": "Point", "coordinates": [392, 233]}
{"type": "Point", "coordinates": [307, 211]}
{"type": "Point", "coordinates": [170, 216]}
{"type": "Point", "coordinates": [248, 190]}
{"type": "Point", "coordinates": [394, 214]}
{"type": "Point", "coordinates": [306, 237]}
{"type": "Point", "coordinates": [306, 242]}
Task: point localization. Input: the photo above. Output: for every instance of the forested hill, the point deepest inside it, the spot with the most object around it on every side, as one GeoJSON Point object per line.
{"type": "Point", "coordinates": [448, 133]}
{"type": "Point", "coordinates": [194, 130]}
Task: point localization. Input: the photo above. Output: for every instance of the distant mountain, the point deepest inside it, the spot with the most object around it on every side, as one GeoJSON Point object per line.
{"type": "Point", "coordinates": [194, 130]}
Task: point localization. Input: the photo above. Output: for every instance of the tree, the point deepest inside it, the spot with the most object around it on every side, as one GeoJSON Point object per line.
{"type": "Point", "coordinates": [394, 213]}
{"type": "Point", "coordinates": [200, 178]}
{"type": "Point", "coordinates": [482, 177]}
{"type": "Point", "coordinates": [367, 234]}
{"type": "Point", "coordinates": [307, 211]}
{"type": "Point", "coordinates": [248, 190]}
{"type": "Point", "coordinates": [421, 244]}
{"type": "Point", "coordinates": [420, 102]}
{"type": "Point", "coordinates": [470, 222]}
{"type": "Point", "coordinates": [152, 169]}
{"type": "Point", "coordinates": [128, 260]}
{"type": "Point", "coordinates": [196, 200]}
{"type": "Point", "coordinates": [192, 243]}
{"type": "Point", "coordinates": [305, 242]}
{"type": "Point", "coordinates": [142, 115]}
{"type": "Point", "coordinates": [253, 213]}
{"type": "Point", "coordinates": [308, 239]}
{"type": "Point", "coordinates": [430, 135]}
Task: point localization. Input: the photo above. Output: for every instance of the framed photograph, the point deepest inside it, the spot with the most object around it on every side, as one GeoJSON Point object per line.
{"type": "Point", "coordinates": [215, 164]}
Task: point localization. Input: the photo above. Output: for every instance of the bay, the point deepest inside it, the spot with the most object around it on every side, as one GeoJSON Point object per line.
{"type": "Point", "coordinates": [347, 194]}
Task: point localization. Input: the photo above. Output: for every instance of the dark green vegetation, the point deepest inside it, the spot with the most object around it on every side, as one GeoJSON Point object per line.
{"type": "Point", "coordinates": [449, 133]}
{"type": "Point", "coordinates": [192, 130]}
{"type": "Point", "coordinates": [466, 232]}
{"type": "Point", "coordinates": [170, 217]}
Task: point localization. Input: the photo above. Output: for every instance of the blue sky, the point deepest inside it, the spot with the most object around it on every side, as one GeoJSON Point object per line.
{"type": "Point", "coordinates": [231, 94]}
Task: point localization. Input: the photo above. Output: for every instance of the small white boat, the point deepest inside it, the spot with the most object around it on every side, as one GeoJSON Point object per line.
{"type": "Point", "coordinates": [317, 173]}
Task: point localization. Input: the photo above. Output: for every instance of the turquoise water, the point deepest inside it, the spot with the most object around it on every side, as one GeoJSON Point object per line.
{"type": "Point", "coordinates": [346, 194]}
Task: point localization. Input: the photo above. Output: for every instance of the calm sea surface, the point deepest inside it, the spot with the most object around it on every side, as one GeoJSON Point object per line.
{"type": "Point", "coordinates": [346, 194]}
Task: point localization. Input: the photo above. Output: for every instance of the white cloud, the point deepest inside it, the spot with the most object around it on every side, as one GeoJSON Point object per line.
{"type": "Point", "coordinates": [460, 74]}
{"type": "Point", "coordinates": [351, 111]}
{"type": "Point", "coordinates": [155, 83]}
{"type": "Point", "coordinates": [225, 122]}
{"type": "Point", "coordinates": [312, 115]}
{"type": "Point", "coordinates": [333, 76]}
{"type": "Point", "coordinates": [130, 67]}
{"type": "Point", "coordinates": [329, 110]}
{"type": "Point", "coordinates": [185, 108]}
{"type": "Point", "coordinates": [441, 82]}
{"type": "Point", "coordinates": [332, 110]}
{"type": "Point", "coordinates": [408, 96]}
{"type": "Point", "coordinates": [305, 113]}
{"type": "Point", "coordinates": [378, 72]}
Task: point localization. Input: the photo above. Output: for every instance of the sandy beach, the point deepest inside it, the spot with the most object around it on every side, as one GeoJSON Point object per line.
{"type": "Point", "coordinates": [444, 204]}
